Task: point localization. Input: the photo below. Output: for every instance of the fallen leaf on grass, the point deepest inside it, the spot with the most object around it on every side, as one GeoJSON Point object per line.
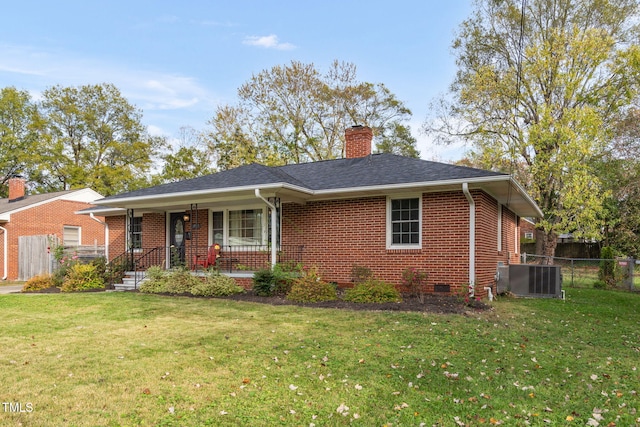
{"type": "Point", "coordinates": [343, 410]}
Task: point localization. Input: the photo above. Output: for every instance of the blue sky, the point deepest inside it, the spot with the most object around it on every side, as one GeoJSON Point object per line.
{"type": "Point", "coordinates": [178, 60]}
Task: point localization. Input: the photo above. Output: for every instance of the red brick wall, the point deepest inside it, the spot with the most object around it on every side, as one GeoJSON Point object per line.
{"type": "Point", "coordinates": [340, 234]}
{"type": "Point", "coordinates": [117, 235]}
{"type": "Point", "coordinates": [154, 227]}
{"type": "Point", "coordinates": [153, 232]}
{"type": "Point", "coordinates": [48, 218]}
{"type": "Point", "coordinates": [199, 236]}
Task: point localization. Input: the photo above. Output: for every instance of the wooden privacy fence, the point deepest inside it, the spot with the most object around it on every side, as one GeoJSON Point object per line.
{"type": "Point", "coordinates": [33, 256]}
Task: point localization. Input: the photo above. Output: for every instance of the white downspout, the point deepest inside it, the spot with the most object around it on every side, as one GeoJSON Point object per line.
{"type": "Point", "coordinates": [106, 235]}
{"type": "Point", "coordinates": [5, 250]}
{"type": "Point", "coordinates": [472, 239]}
{"type": "Point", "coordinates": [274, 234]}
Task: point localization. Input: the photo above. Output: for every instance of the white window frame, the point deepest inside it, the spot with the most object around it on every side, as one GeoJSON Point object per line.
{"type": "Point", "coordinates": [389, 225]}
{"type": "Point", "coordinates": [75, 227]}
{"type": "Point", "coordinates": [225, 223]}
{"type": "Point", "coordinates": [128, 232]}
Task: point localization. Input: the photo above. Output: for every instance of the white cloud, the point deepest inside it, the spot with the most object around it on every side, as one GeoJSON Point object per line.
{"type": "Point", "coordinates": [35, 70]}
{"type": "Point", "coordinates": [167, 100]}
{"type": "Point", "coordinates": [268, 42]}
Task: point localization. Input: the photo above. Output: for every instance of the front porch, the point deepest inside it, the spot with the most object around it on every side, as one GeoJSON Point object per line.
{"type": "Point", "coordinates": [239, 261]}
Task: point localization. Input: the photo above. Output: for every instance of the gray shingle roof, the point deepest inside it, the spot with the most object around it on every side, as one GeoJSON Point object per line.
{"type": "Point", "coordinates": [374, 170]}
{"type": "Point", "coordinates": [7, 206]}
{"type": "Point", "coordinates": [377, 170]}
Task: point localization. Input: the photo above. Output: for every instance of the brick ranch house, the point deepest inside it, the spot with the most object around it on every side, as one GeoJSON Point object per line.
{"type": "Point", "coordinates": [381, 211]}
{"type": "Point", "coordinates": [50, 214]}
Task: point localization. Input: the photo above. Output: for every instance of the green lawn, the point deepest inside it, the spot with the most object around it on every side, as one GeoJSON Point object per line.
{"type": "Point", "coordinates": [122, 359]}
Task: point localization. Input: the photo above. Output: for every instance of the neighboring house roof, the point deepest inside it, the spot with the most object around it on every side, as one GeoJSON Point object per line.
{"type": "Point", "coordinates": [371, 175]}
{"type": "Point", "coordinates": [27, 202]}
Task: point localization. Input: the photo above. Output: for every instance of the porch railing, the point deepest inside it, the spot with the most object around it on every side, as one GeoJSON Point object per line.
{"type": "Point", "coordinates": [233, 259]}
{"type": "Point", "coordinates": [243, 258]}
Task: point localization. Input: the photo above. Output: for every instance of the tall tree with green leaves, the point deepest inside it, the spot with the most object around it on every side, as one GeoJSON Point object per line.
{"type": "Point", "coordinates": [18, 118]}
{"type": "Point", "coordinates": [294, 114]}
{"type": "Point", "coordinates": [619, 170]}
{"type": "Point", "coordinates": [92, 137]}
{"type": "Point", "coordinates": [539, 83]}
{"type": "Point", "coordinates": [187, 158]}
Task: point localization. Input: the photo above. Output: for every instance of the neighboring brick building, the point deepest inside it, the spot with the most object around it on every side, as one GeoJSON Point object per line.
{"type": "Point", "coordinates": [381, 211]}
{"type": "Point", "coordinates": [43, 215]}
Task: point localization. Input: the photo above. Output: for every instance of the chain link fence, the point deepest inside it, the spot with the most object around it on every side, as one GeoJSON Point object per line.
{"type": "Point", "coordinates": [593, 272]}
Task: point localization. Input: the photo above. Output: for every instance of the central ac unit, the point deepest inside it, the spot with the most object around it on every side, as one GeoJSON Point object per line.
{"type": "Point", "coordinates": [530, 280]}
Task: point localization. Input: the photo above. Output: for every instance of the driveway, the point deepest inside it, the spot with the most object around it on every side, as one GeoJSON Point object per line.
{"type": "Point", "coordinates": [10, 289]}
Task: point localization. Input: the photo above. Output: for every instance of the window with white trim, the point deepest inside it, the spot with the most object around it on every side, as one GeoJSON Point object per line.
{"type": "Point", "coordinates": [404, 223]}
{"type": "Point", "coordinates": [134, 236]}
{"type": "Point", "coordinates": [71, 236]}
{"type": "Point", "coordinates": [245, 227]}
{"type": "Point", "coordinates": [218, 227]}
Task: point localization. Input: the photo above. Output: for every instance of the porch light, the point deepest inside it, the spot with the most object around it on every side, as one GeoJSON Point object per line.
{"type": "Point", "coordinates": [186, 217]}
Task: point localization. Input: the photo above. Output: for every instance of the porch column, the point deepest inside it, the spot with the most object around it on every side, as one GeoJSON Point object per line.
{"type": "Point", "coordinates": [274, 232]}
{"type": "Point", "coordinates": [130, 243]}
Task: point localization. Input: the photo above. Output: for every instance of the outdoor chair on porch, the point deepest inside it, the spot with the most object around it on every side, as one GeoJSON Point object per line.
{"type": "Point", "coordinates": [210, 259]}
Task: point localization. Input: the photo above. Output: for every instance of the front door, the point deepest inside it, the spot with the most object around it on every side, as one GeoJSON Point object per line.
{"type": "Point", "coordinates": [177, 237]}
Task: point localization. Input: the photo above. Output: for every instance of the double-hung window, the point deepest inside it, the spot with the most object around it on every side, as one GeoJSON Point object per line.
{"type": "Point", "coordinates": [135, 232]}
{"type": "Point", "coordinates": [404, 223]}
{"type": "Point", "coordinates": [245, 227]}
{"type": "Point", "coordinates": [239, 227]}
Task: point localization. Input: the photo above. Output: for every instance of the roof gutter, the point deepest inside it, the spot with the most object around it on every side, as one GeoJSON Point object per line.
{"type": "Point", "coordinates": [274, 220]}
{"type": "Point", "coordinates": [5, 249]}
{"type": "Point", "coordinates": [106, 235]}
{"type": "Point", "coordinates": [116, 201]}
{"type": "Point", "coordinates": [472, 239]}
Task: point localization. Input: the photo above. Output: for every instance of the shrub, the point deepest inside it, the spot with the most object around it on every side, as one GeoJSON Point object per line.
{"type": "Point", "coordinates": [263, 282]}
{"type": "Point", "coordinates": [65, 265]}
{"type": "Point", "coordinates": [276, 281]}
{"type": "Point", "coordinates": [310, 288]}
{"type": "Point", "coordinates": [38, 283]}
{"type": "Point", "coordinates": [100, 263]}
{"type": "Point", "coordinates": [415, 281]}
{"type": "Point", "coordinates": [599, 284]}
{"type": "Point", "coordinates": [115, 271]}
{"type": "Point", "coordinates": [82, 277]}
{"type": "Point", "coordinates": [360, 274]}
{"type": "Point", "coordinates": [216, 285]}
{"type": "Point", "coordinates": [608, 272]}
{"type": "Point", "coordinates": [155, 281]}
{"type": "Point", "coordinates": [181, 281]}
{"type": "Point", "coordinates": [372, 291]}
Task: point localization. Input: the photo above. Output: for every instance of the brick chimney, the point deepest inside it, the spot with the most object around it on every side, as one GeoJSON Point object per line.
{"type": "Point", "coordinates": [16, 188]}
{"type": "Point", "coordinates": [358, 141]}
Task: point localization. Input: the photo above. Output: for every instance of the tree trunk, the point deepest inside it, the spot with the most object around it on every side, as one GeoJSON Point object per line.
{"type": "Point", "coordinates": [546, 245]}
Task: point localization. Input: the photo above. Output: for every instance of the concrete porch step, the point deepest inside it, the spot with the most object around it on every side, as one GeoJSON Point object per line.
{"type": "Point", "coordinates": [130, 281]}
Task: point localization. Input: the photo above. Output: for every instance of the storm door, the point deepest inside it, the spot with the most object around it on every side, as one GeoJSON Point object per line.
{"type": "Point", "coordinates": [177, 238]}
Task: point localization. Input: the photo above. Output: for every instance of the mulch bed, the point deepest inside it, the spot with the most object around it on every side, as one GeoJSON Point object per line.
{"type": "Point", "coordinates": [433, 303]}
